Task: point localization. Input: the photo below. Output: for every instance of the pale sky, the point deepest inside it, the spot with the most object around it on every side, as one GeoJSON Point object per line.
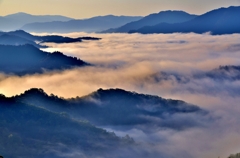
{"type": "Point", "coordinates": [90, 8]}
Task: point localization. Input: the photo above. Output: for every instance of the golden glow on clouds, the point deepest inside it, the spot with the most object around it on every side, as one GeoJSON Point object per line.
{"type": "Point", "coordinates": [130, 62]}
{"type": "Point", "coordinates": [90, 8]}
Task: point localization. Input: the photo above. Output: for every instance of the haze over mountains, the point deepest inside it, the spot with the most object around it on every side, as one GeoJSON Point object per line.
{"type": "Point", "coordinates": [53, 126]}
{"type": "Point", "coordinates": [34, 132]}
{"type": "Point", "coordinates": [20, 37]}
{"type": "Point", "coordinates": [59, 121]}
{"type": "Point", "coordinates": [27, 59]}
{"type": "Point", "coordinates": [16, 21]}
{"type": "Point", "coordinates": [58, 23]}
{"type": "Point", "coordinates": [95, 24]}
{"type": "Point", "coordinates": [106, 108]}
{"type": "Point", "coordinates": [20, 53]}
{"type": "Point", "coordinates": [148, 119]}
{"type": "Point", "coordinates": [123, 95]}
{"type": "Point", "coordinates": [219, 21]}
{"type": "Point", "coordinates": [8, 39]}
{"type": "Point", "coordinates": [154, 19]}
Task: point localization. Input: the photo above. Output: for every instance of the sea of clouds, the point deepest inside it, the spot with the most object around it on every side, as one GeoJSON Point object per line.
{"type": "Point", "coordinates": [167, 65]}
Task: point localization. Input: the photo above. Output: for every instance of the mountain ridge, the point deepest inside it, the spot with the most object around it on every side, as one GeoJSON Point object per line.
{"type": "Point", "coordinates": [17, 20]}
{"type": "Point", "coordinates": [27, 38]}
{"type": "Point", "coordinates": [217, 22]}
{"type": "Point", "coordinates": [105, 108]}
{"type": "Point", "coordinates": [94, 24]}
{"type": "Point", "coordinates": [167, 16]}
{"type": "Point", "coordinates": [27, 59]}
{"type": "Point", "coordinates": [31, 131]}
{"type": "Point", "coordinates": [7, 39]}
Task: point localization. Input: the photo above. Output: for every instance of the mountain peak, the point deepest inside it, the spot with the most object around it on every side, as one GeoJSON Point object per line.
{"type": "Point", "coordinates": [113, 91]}
{"type": "Point", "coordinates": [230, 7]}
{"type": "Point", "coordinates": [219, 21]}
{"type": "Point", "coordinates": [18, 14]}
{"type": "Point", "coordinates": [35, 91]}
{"type": "Point", "coordinates": [18, 31]}
{"type": "Point", "coordinates": [168, 16]}
{"type": "Point", "coordinates": [21, 13]}
{"type": "Point", "coordinates": [172, 11]}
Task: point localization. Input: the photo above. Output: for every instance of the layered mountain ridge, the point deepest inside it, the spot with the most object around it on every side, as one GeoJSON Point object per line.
{"type": "Point", "coordinates": [217, 22]}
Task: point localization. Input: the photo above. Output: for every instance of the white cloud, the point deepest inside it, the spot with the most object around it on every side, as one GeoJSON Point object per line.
{"type": "Point", "coordinates": [134, 62]}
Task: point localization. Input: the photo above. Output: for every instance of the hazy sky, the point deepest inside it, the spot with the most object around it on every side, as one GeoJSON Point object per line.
{"type": "Point", "coordinates": [89, 8]}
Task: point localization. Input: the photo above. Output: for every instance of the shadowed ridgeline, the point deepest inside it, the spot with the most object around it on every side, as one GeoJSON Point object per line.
{"type": "Point", "coordinates": [34, 132]}
{"type": "Point", "coordinates": [116, 107]}
{"type": "Point", "coordinates": [20, 37]}
{"type": "Point", "coordinates": [217, 22]}
{"type": "Point", "coordinates": [170, 17]}
{"type": "Point", "coordinates": [27, 59]}
{"type": "Point", "coordinates": [94, 24]}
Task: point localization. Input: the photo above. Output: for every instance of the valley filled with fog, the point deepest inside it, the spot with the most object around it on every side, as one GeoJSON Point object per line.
{"type": "Point", "coordinates": [200, 69]}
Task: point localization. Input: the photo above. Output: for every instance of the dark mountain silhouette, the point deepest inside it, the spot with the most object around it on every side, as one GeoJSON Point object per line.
{"type": "Point", "coordinates": [30, 131]}
{"type": "Point", "coordinates": [22, 34]}
{"type": "Point", "coordinates": [20, 37]}
{"type": "Point", "coordinates": [219, 21]}
{"type": "Point", "coordinates": [7, 39]}
{"type": "Point", "coordinates": [87, 38]}
{"type": "Point", "coordinates": [116, 107]}
{"type": "Point", "coordinates": [154, 19]}
{"type": "Point", "coordinates": [95, 24]}
{"type": "Point", "coordinates": [60, 39]}
{"type": "Point", "coordinates": [27, 59]}
{"type": "Point", "coordinates": [17, 20]}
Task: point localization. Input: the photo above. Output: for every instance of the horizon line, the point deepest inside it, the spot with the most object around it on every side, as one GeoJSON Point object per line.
{"type": "Point", "coordinates": [22, 12]}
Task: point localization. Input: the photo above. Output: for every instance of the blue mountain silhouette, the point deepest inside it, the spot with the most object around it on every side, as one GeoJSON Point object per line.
{"type": "Point", "coordinates": [27, 59]}
{"type": "Point", "coordinates": [219, 21]}
{"type": "Point", "coordinates": [17, 20]}
{"type": "Point", "coordinates": [153, 19]}
{"type": "Point", "coordinates": [106, 108]}
{"type": "Point", "coordinates": [20, 37]}
{"type": "Point", "coordinates": [34, 132]}
{"type": "Point", "coordinates": [94, 24]}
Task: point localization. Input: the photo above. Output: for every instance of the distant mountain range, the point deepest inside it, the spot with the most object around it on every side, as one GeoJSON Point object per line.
{"type": "Point", "coordinates": [60, 24]}
{"type": "Point", "coordinates": [16, 21]}
{"type": "Point", "coordinates": [219, 21]}
{"type": "Point", "coordinates": [27, 59]}
{"type": "Point", "coordinates": [95, 24]}
{"type": "Point", "coordinates": [154, 19]}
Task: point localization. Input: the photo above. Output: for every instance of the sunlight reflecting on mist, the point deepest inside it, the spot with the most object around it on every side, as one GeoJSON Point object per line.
{"type": "Point", "coordinates": [132, 62]}
{"type": "Point", "coordinates": [164, 65]}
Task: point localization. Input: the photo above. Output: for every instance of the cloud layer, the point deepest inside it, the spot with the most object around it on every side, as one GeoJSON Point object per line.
{"type": "Point", "coordinates": [172, 66]}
